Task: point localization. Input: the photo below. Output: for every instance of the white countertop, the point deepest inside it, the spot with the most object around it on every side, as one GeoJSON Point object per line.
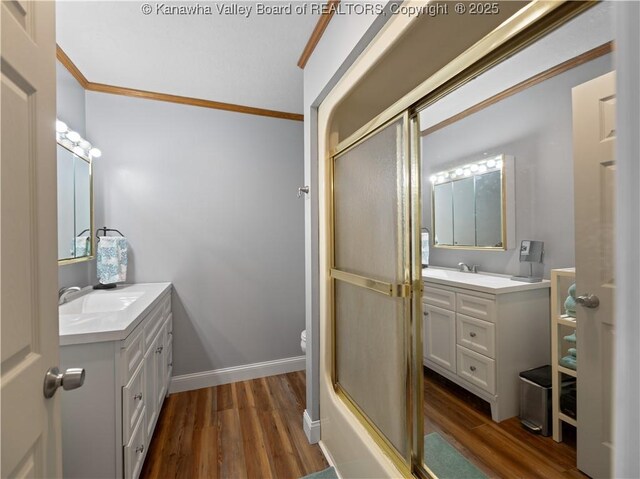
{"type": "Point", "coordinates": [484, 282]}
{"type": "Point", "coordinates": [91, 317]}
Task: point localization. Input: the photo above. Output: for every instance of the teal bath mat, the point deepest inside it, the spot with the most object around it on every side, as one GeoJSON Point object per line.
{"type": "Point", "coordinates": [446, 462]}
{"type": "Point", "coordinates": [328, 473]}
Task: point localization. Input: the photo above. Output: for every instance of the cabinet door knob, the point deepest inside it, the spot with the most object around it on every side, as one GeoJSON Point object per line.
{"type": "Point", "coordinates": [473, 368]}
{"type": "Point", "coordinates": [472, 334]}
{"type": "Point", "coordinates": [137, 397]}
{"type": "Point", "coordinates": [170, 365]}
{"type": "Point", "coordinates": [159, 349]}
{"type": "Point", "coordinates": [140, 448]}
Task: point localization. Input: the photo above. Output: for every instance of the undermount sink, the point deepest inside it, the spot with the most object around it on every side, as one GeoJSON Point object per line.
{"type": "Point", "coordinates": [101, 302]}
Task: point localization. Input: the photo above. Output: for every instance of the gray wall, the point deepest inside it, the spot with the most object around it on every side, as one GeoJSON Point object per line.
{"type": "Point", "coordinates": [343, 40]}
{"type": "Point", "coordinates": [207, 199]}
{"type": "Point", "coordinates": [535, 127]}
{"type": "Point", "coordinates": [70, 97]}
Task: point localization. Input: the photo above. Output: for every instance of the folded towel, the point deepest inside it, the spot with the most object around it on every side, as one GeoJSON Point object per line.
{"type": "Point", "coordinates": [81, 246]}
{"type": "Point", "coordinates": [112, 259]}
{"type": "Point", "coordinates": [571, 338]}
{"type": "Point", "coordinates": [573, 352]}
{"type": "Point", "coordinates": [569, 362]}
{"type": "Point", "coordinates": [570, 303]}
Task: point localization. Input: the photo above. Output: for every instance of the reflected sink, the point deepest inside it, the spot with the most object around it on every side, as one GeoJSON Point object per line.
{"type": "Point", "coordinates": [101, 302]}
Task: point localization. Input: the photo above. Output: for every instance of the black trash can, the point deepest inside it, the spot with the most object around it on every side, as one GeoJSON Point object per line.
{"type": "Point", "coordinates": [535, 400]}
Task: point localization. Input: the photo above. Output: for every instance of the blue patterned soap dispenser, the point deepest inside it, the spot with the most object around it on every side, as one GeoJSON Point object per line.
{"type": "Point", "coordinates": [570, 302]}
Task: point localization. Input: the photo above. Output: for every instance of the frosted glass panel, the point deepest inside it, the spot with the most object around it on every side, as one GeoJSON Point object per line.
{"type": "Point", "coordinates": [366, 206]}
{"type": "Point", "coordinates": [370, 352]}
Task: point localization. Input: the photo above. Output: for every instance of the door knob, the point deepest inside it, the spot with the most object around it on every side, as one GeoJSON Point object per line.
{"type": "Point", "coordinates": [72, 378]}
{"type": "Point", "coordinates": [588, 300]}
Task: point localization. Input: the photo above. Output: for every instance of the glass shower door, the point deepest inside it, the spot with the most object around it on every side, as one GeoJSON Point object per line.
{"type": "Point", "coordinates": [372, 283]}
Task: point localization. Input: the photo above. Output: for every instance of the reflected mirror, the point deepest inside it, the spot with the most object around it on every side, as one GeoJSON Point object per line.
{"type": "Point", "coordinates": [468, 204]}
{"type": "Point", "coordinates": [75, 206]}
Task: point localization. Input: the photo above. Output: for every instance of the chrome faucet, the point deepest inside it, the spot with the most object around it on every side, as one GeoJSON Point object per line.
{"type": "Point", "coordinates": [465, 268]}
{"type": "Point", "coordinates": [64, 292]}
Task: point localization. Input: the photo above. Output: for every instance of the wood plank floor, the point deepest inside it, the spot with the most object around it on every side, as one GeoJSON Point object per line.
{"type": "Point", "coordinates": [504, 450]}
{"type": "Point", "coordinates": [250, 429]}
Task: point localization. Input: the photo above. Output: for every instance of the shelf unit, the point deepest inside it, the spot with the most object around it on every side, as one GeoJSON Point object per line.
{"type": "Point", "coordinates": [561, 324]}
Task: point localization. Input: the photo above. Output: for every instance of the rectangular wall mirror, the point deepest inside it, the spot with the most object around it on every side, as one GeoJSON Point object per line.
{"type": "Point", "coordinates": [75, 207]}
{"type": "Point", "coordinates": [471, 204]}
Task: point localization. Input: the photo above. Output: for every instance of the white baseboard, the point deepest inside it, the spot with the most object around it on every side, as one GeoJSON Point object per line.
{"type": "Point", "coordinates": [311, 428]}
{"type": "Point", "coordinates": [329, 458]}
{"type": "Point", "coordinates": [216, 377]}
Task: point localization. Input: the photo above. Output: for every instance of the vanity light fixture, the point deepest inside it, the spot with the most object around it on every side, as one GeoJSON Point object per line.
{"type": "Point", "coordinates": [479, 167]}
{"type": "Point", "coordinates": [73, 141]}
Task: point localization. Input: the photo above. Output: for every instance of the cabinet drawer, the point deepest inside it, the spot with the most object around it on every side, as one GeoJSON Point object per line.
{"type": "Point", "coordinates": [133, 400]}
{"type": "Point", "coordinates": [169, 328]}
{"type": "Point", "coordinates": [477, 369]}
{"type": "Point", "coordinates": [132, 356]}
{"type": "Point", "coordinates": [476, 334]}
{"type": "Point", "coordinates": [135, 450]}
{"type": "Point", "coordinates": [439, 297]}
{"type": "Point", "coordinates": [152, 324]}
{"type": "Point", "coordinates": [166, 305]}
{"type": "Point", "coordinates": [476, 307]}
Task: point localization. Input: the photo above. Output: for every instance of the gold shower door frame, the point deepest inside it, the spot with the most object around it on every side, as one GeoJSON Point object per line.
{"type": "Point", "coordinates": [409, 290]}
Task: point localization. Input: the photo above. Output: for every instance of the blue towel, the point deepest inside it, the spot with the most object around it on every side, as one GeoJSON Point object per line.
{"type": "Point", "coordinates": [571, 338]}
{"type": "Point", "coordinates": [573, 352]}
{"type": "Point", "coordinates": [569, 362]}
{"type": "Point", "coordinates": [112, 259]}
{"type": "Point", "coordinates": [81, 247]}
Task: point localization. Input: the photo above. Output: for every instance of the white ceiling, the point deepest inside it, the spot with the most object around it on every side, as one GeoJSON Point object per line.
{"type": "Point", "coordinates": [226, 58]}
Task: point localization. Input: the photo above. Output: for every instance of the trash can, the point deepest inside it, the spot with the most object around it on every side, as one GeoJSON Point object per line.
{"type": "Point", "coordinates": [535, 400]}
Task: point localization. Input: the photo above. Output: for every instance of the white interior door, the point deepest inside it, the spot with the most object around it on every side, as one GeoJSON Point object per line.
{"type": "Point", "coordinates": [594, 134]}
{"type": "Point", "coordinates": [29, 270]}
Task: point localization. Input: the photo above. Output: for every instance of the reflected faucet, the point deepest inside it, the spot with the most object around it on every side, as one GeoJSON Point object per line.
{"type": "Point", "coordinates": [464, 268]}
{"type": "Point", "coordinates": [64, 292]}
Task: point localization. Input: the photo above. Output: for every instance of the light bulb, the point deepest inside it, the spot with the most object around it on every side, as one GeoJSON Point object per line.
{"type": "Point", "coordinates": [95, 152]}
{"type": "Point", "coordinates": [84, 144]}
{"type": "Point", "coordinates": [467, 172]}
{"type": "Point", "coordinates": [74, 136]}
{"type": "Point", "coordinates": [433, 178]}
{"type": "Point", "coordinates": [474, 167]}
{"type": "Point", "coordinates": [446, 175]}
{"type": "Point", "coordinates": [453, 175]}
{"type": "Point", "coordinates": [66, 143]}
{"type": "Point", "coordinates": [482, 168]}
{"type": "Point", "coordinates": [459, 171]}
{"type": "Point", "coordinates": [491, 163]}
{"type": "Point", "coordinates": [61, 126]}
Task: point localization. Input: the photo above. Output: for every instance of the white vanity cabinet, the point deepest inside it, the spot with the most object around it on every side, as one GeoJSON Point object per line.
{"type": "Point", "coordinates": [481, 336]}
{"type": "Point", "coordinates": [108, 425]}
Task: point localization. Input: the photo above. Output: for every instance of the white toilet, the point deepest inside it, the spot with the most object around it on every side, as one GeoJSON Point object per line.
{"type": "Point", "coordinates": [303, 341]}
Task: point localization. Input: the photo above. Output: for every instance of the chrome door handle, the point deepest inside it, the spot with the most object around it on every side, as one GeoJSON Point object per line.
{"type": "Point", "coordinates": [588, 300]}
{"type": "Point", "coordinates": [72, 378]}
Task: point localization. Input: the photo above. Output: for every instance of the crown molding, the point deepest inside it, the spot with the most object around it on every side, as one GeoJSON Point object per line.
{"type": "Point", "coordinates": [523, 85]}
{"type": "Point", "coordinates": [64, 59]}
{"type": "Point", "coordinates": [318, 31]}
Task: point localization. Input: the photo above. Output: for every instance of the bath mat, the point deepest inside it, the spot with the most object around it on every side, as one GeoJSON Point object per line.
{"type": "Point", "coordinates": [328, 473]}
{"type": "Point", "coordinates": [446, 462]}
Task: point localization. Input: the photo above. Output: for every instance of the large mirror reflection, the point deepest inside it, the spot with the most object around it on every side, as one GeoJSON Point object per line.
{"type": "Point", "coordinates": [468, 202]}
{"type": "Point", "coordinates": [75, 205]}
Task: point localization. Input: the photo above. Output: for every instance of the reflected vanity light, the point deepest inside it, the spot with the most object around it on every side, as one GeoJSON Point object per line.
{"type": "Point", "coordinates": [478, 167]}
{"type": "Point", "coordinates": [73, 141]}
